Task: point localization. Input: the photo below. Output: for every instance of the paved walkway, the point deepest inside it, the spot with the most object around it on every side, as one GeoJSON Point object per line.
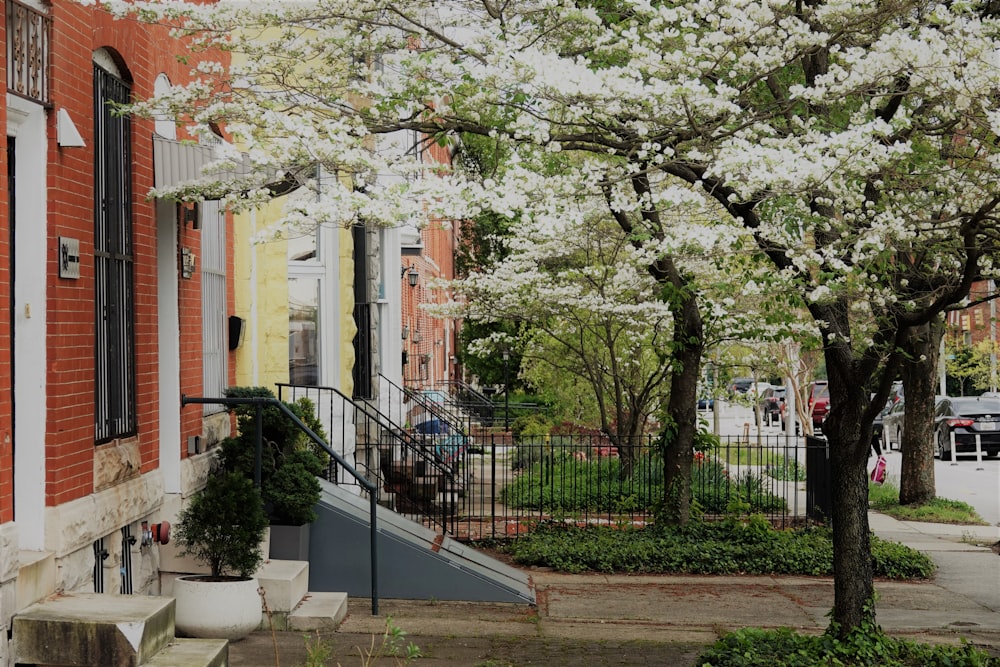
{"type": "Point", "coordinates": [626, 620]}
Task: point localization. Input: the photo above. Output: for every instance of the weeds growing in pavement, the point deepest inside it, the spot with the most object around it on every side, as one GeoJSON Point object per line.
{"type": "Point", "coordinates": [392, 644]}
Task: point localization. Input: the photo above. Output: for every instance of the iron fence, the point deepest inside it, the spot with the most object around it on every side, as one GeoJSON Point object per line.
{"type": "Point", "coordinates": [583, 478]}
{"type": "Point", "coordinates": [475, 482]}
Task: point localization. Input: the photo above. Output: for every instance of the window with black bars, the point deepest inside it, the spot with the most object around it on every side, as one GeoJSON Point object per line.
{"type": "Point", "coordinates": [113, 261]}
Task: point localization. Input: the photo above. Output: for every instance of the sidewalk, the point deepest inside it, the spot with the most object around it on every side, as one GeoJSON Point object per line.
{"type": "Point", "coordinates": [594, 619]}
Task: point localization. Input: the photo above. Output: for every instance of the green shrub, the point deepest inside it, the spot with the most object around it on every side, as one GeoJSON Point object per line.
{"type": "Point", "coordinates": [223, 526]}
{"type": "Point", "coordinates": [786, 468]}
{"type": "Point", "coordinates": [531, 425]}
{"type": "Point", "coordinates": [290, 460]}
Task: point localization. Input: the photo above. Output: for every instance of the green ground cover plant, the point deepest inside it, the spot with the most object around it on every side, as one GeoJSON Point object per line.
{"type": "Point", "coordinates": [866, 646]}
{"type": "Point", "coordinates": [737, 545]}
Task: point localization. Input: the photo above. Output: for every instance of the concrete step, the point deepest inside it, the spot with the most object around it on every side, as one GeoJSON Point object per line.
{"type": "Point", "coordinates": [93, 629]}
{"type": "Point", "coordinates": [192, 653]}
{"type": "Point", "coordinates": [36, 576]}
{"type": "Point", "coordinates": [285, 583]}
{"type": "Point", "coordinates": [319, 611]}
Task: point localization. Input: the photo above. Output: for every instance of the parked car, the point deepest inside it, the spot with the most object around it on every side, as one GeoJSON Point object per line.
{"type": "Point", "coordinates": [878, 433]}
{"type": "Point", "coordinates": [966, 418]}
{"type": "Point", "coordinates": [770, 404]}
{"type": "Point", "coordinates": [892, 421]}
{"type": "Point", "coordinates": [740, 385]}
{"type": "Point", "coordinates": [892, 425]}
{"type": "Point", "coordinates": [819, 403]}
{"type": "Point", "coordinates": [706, 403]}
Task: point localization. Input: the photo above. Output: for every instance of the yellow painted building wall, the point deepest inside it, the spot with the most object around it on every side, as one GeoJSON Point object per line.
{"type": "Point", "coordinates": [348, 329]}
{"type": "Point", "coordinates": [261, 281]}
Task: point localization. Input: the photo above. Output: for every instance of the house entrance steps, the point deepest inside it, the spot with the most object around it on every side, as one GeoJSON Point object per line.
{"type": "Point", "coordinates": [92, 629]}
{"type": "Point", "coordinates": [288, 604]}
{"type": "Point", "coordinates": [99, 630]}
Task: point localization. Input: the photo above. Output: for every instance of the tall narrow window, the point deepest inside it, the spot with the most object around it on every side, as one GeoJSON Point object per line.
{"type": "Point", "coordinates": [113, 261]}
{"type": "Point", "coordinates": [214, 338]}
{"type": "Point", "coordinates": [303, 330]}
{"type": "Point", "coordinates": [363, 367]}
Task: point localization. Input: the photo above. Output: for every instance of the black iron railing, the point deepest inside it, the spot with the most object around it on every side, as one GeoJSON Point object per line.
{"type": "Point", "coordinates": [415, 473]}
{"type": "Point", "coordinates": [512, 484]}
{"type": "Point", "coordinates": [29, 34]}
{"type": "Point", "coordinates": [493, 485]}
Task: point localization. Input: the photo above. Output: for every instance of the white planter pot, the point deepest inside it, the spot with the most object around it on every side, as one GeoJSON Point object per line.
{"type": "Point", "coordinates": [228, 609]}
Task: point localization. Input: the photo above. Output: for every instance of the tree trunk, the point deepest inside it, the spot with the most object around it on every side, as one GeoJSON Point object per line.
{"type": "Point", "coordinates": [919, 370]}
{"type": "Point", "coordinates": [850, 442]}
{"type": "Point", "coordinates": [682, 410]}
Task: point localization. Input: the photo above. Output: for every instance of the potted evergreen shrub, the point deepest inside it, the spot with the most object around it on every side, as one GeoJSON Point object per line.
{"type": "Point", "coordinates": [223, 528]}
{"type": "Point", "coordinates": [290, 465]}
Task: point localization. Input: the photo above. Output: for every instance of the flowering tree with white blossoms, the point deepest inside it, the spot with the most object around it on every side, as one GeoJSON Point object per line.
{"type": "Point", "coordinates": [590, 311]}
{"type": "Point", "coordinates": [856, 141]}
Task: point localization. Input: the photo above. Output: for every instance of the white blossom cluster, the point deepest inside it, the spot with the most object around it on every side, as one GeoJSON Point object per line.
{"type": "Point", "coordinates": [852, 144]}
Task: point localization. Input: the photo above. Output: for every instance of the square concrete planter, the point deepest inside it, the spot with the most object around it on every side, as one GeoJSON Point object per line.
{"type": "Point", "coordinates": [289, 542]}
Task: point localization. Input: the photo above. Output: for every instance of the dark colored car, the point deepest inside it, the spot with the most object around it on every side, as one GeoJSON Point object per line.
{"type": "Point", "coordinates": [770, 404]}
{"type": "Point", "coordinates": [967, 418]}
{"type": "Point", "coordinates": [819, 403]}
{"type": "Point", "coordinates": [892, 425]}
{"type": "Point", "coordinates": [877, 432]}
{"type": "Point", "coordinates": [740, 385]}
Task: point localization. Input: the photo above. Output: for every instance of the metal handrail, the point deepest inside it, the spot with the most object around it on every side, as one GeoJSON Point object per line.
{"type": "Point", "coordinates": [418, 445]}
{"type": "Point", "coordinates": [259, 403]}
{"type": "Point", "coordinates": [438, 411]}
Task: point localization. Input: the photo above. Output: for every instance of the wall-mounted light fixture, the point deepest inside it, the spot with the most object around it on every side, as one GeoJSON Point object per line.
{"type": "Point", "coordinates": [406, 331]}
{"type": "Point", "coordinates": [411, 274]}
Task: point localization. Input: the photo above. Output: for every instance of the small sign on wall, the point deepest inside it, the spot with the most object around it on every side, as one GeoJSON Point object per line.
{"type": "Point", "coordinates": [69, 258]}
{"type": "Point", "coordinates": [187, 262]}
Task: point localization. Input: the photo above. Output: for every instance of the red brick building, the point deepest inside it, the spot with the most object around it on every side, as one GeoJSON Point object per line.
{"type": "Point", "coordinates": [430, 343]}
{"type": "Point", "coordinates": [115, 306]}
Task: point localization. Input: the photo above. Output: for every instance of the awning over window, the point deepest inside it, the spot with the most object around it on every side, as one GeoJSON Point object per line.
{"type": "Point", "coordinates": [176, 162]}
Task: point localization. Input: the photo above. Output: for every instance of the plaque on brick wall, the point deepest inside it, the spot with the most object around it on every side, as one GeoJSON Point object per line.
{"type": "Point", "coordinates": [69, 258]}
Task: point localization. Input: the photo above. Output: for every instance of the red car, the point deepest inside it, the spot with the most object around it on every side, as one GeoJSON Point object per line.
{"type": "Point", "coordinates": [819, 403]}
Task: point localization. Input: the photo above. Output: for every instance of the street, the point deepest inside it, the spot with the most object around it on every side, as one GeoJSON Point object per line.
{"type": "Point", "coordinates": [964, 479]}
{"type": "Point", "coordinates": [972, 482]}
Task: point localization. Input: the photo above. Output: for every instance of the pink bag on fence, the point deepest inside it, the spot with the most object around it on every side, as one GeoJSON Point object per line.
{"type": "Point", "coordinates": [878, 472]}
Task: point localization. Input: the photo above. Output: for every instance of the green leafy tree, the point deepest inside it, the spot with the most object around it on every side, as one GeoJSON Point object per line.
{"type": "Point", "coordinates": [970, 365]}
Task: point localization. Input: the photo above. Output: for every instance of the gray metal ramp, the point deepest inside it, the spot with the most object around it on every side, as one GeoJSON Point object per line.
{"type": "Point", "coordinates": [415, 562]}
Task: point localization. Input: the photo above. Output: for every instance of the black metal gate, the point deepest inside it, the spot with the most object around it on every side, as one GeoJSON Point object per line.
{"type": "Point", "coordinates": [819, 497]}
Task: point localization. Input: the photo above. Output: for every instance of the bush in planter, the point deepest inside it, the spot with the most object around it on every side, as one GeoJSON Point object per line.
{"type": "Point", "coordinates": [290, 460]}
{"type": "Point", "coordinates": [293, 489]}
{"type": "Point", "coordinates": [224, 525]}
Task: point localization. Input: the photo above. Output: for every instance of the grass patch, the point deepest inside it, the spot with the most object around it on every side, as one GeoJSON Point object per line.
{"type": "Point", "coordinates": [750, 455]}
{"type": "Point", "coordinates": [885, 499]}
{"type": "Point", "coordinates": [733, 546]}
